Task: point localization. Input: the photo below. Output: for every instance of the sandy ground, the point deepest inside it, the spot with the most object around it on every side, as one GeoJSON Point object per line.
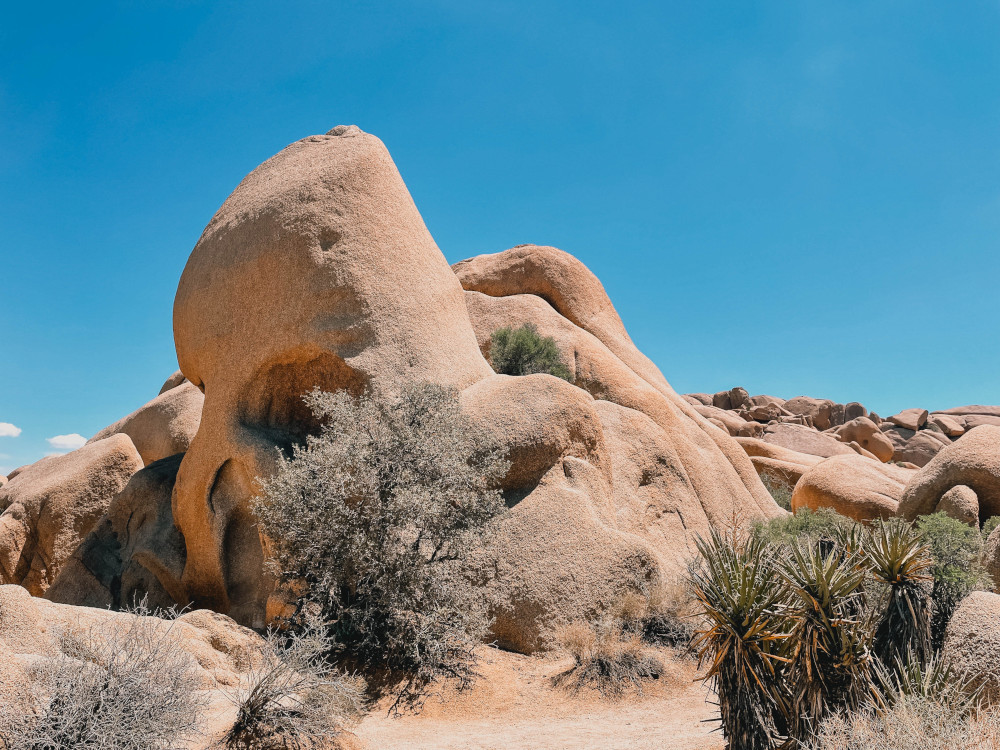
{"type": "Point", "coordinates": [515, 705]}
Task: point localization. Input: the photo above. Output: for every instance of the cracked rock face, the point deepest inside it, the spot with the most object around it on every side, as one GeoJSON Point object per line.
{"type": "Point", "coordinates": [319, 271]}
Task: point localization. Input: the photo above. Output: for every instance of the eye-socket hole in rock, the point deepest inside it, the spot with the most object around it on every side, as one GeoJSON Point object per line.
{"type": "Point", "coordinates": [272, 404]}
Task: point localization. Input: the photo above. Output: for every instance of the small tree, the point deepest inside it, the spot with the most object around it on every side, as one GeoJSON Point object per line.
{"type": "Point", "coordinates": [374, 517]}
{"type": "Point", "coordinates": [955, 548]}
{"type": "Point", "coordinates": [522, 351]}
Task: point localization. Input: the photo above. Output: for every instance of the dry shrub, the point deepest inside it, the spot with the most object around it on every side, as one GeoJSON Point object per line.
{"type": "Point", "coordinates": [914, 722]}
{"type": "Point", "coordinates": [605, 658]}
{"type": "Point", "coordinates": [124, 685]}
{"type": "Point", "coordinates": [294, 699]}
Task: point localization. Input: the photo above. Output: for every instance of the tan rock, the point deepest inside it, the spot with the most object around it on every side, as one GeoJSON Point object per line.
{"type": "Point", "coordinates": [722, 400]}
{"type": "Point", "coordinates": [319, 271]}
{"type": "Point", "coordinates": [973, 461]}
{"type": "Point", "coordinates": [949, 425]}
{"type": "Point", "coordinates": [134, 550]}
{"type": "Point", "coordinates": [751, 429]}
{"type": "Point", "coordinates": [172, 382]}
{"type": "Point", "coordinates": [733, 422]}
{"type": "Point", "coordinates": [818, 410]}
{"type": "Point", "coordinates": [990, 411]}
{"type": "Point", "coordinates": [163, 427]}
{"type": "Point", "coordinates": [910, 419]}
{"type": "Point", "coordinates": [972, 643]}
{"type": "Point", "coordinates": [764, 412]}
{"type": "Point", "coordinates": [854, 486]}
{"type": "Point", "coordinates": [853, 410]}
{"type": "Point", "coordinates": [738, 398]}
{"type": "Point", "coordinates": [805, 440]}
{"type": "Point", "coordinates": [49, 507]}
{"type": "Point", "coordinates": [763, 399]}
{"type": "Point", "coordinates": [920, 448]}
{"type": "Point", "coordinates": [782, 466]}
{"type": "Point", "coordinates": [34, 631]}
{"type": "Point", "coordinates": [705, 399]}
{"type": "Point", "coordinates": [961, 503]}
{"type": "Point", "coordinates": [973, 421]}
{"type": "Point", "coordinates": [866, 433]}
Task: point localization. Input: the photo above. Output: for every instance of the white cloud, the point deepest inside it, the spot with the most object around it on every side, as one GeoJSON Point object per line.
{"type": "Point", "coordinates": [9, 430]}
{"type": "Point", "coordinates": [67, 442]}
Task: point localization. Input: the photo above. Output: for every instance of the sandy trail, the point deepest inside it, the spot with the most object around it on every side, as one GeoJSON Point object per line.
{"type": "Point", "coordinates": [515, 706]}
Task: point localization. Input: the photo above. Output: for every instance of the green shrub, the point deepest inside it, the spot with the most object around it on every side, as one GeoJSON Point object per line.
{"type": "Point", "coordinates": [955, 548]}
{"type": "Point", "coordinates": [779, 490]}
{"type": "Point", "coordinates": [522, 351]}
{"type": "Point", "coordinates": [374, 519]}
{"type": "Point", "coordinates": [804, 528]}
{"type": "Point", "coordinates": [988, 525]}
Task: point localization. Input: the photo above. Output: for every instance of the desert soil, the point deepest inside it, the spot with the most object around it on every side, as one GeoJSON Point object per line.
{"type": "Point", "coordinates": [515, 705]}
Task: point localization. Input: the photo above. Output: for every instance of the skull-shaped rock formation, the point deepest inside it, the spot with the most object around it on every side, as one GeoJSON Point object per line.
{"type": "Point", "coordinates": [319, 271]}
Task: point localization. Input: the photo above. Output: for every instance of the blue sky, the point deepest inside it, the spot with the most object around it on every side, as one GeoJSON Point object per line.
{"type": "Point", "coordinates": [797, 197]}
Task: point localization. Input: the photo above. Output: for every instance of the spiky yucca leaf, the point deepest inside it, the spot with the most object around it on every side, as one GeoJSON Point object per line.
{"type": "Point", "coordinates": [908, 678]}
{"type": "Point", "coordinates": [741, 599]}
{"type": "Point", "coordinates": [829, 661]}
{"type": "Point", "coordinates": [898, 557]}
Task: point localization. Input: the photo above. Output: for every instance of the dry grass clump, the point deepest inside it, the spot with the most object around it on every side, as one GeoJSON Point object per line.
{"type": "Point", "coordinates": [294, 699]}
{"type": "Point", "coordinates": [126, 685]}
{"type": "Point", "coordinates": [912, 722]}
{"type": "Point", "coordinates": [606, 658]}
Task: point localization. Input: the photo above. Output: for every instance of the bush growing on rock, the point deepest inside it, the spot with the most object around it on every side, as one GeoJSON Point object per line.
{"type": "Point", "coordinates": [373, 519]}
{"type": "Point", "coordinates": [522, 351]}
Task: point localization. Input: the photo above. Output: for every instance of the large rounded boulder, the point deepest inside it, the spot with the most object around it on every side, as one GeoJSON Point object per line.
{"type": "Point", "coordinates": [49, 507]}
{"type": "Point", "coordinates": [852, 485]}
{"type": "Point", "coordinates": [318, 271]}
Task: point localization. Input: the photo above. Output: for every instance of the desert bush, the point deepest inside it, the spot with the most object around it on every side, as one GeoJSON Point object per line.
{"type": "Point", "coordinates": [742, 597]}
{"type": "Point", "coordinates": [605, 657]}
{"type": "Point", "coordinates": [988, 525]}
{"type": "Point", "coordinates": [829, 665]}
{"type": "Point", "coordinates": [671, 614]}
{"type": "Point", "coordinates": [897, 557]}
{"type": "Point", "coordinates": [805, 528]}
{"type": "Point", "coordinates": [124, 685]}
{"type": "Point", "coordinates": [934, 680]}
{"type": "Point", "coordinates": [912, 722]}
{"type": "Point", "coordinates": [779, 490]}
{"type": "Point", "coordinates": [522, 351]}
{"type": "Point", "coordinates": [955, 548]}
{"type": "Point", "coordinates": [293, 698]}
{"type": "Point", "coordinates": [374, 519]}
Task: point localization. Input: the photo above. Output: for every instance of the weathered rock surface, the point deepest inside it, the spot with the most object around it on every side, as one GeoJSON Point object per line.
{"type": "Point", "coordinates": [803, 439]}
{"type": "Point", "coordinates": [866, 433]}
{"type": "Point", "coordinates": [910, 419]}
{"type": "Point", "coordinates": [990, 411]}
{"type": "Point", "coordinates": [54, 503]}
{"type": "Point", "coordinates": [972, 643]}
{"type": "Point", "coordinates": [818, 410]}
{"type": "Point", "coordinates": [852, 485]}
{"type": "Point", "coordinates": [920, 448]}
{"type": "Point", "coordinates": [973, 461]}
{"type": "Point", "coordinates": [319, 271]}
{"type": "Point", "coordinates": [960, 503]}
{"type": "Point", "coordinates": [172, 382]}
{"type": "Point", "coordinates": [134, 550]}
{"type": "Point", "coordinates": [949, 425]}
{"type": "Point", "coordinates": [34, 631]}
{"type": "Point", "coordinates": [163, 427]}
{"type": "Point", "coordinates": [781, 466]}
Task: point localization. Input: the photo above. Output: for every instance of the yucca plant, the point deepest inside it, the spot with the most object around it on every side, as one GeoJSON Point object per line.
{"type": "Point", "coordinates": [897, 556]}
{"type": "Point", "coordinates": [741, 599]}
{"type": "Point", "coordinates": [829, 663]}
{"type": "Point", "coordinates": [934, 680]}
